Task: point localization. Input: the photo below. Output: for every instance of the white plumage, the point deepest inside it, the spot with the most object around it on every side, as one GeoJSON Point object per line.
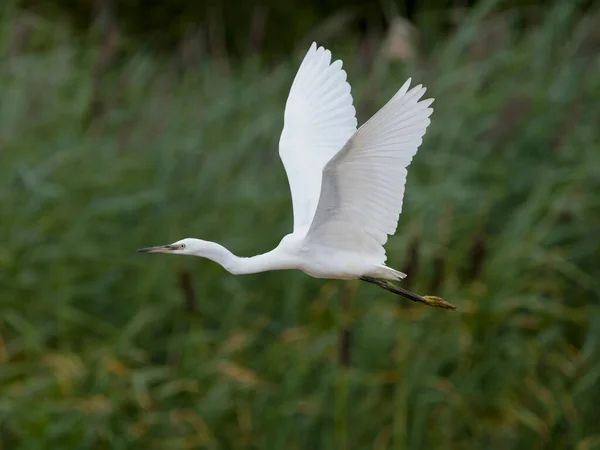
{"type": "Point", "coordinates": [347, 185]}
{"type": "Point", "coordinates": [319, 119]}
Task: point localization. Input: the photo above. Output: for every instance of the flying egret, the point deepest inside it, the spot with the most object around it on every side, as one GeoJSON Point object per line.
{"type": "Point", "coordinates": [347, 184]}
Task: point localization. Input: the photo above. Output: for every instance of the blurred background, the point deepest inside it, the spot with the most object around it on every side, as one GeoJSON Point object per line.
{"type": "Point", "coordinates": [125, 124]}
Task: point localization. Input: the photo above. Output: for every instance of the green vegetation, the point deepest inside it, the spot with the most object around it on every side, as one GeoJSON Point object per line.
{"type": "Point", "coordinates": [102, 347]}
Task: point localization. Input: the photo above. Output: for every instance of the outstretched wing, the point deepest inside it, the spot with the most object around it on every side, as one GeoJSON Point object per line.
{"type": "Point", "coordinates": [363, 184]}
{"type": "Point", "coordinates": [319, 120]}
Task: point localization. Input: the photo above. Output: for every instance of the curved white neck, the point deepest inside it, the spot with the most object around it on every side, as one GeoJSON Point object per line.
{"type": "Point", "coordinates": [240, 266]}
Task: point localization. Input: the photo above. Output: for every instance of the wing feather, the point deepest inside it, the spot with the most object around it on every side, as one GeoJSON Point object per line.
{"type": "Point", "coordinates": [319, 119]}
{"type": "Point", "coordinates": [363, 184]}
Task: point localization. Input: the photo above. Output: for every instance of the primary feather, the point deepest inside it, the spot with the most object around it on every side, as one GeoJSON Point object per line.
{"type": "Point", "coordinates": [363, 184]}
{"type": "Point", "coordinates": [319, 118]}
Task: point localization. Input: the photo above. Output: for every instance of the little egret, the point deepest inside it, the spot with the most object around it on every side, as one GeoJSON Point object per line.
{"type": "Point", "coordinates": [347, 184]}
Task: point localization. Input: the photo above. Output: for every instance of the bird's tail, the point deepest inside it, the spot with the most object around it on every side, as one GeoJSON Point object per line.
{"type": "Point", "coordinates": [387, 273]}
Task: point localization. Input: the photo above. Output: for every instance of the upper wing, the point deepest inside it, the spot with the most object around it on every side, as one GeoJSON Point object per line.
{"type": "Point", "coordinates": [319, 119]}
{"type": "Point", "coordinates": [363, 184]}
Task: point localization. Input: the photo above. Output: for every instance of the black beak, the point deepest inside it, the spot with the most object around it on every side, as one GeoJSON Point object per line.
{"type": "Point", "coordinates": [158, 249]}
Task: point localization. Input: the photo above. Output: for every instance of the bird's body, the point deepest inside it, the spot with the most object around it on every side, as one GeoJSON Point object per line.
{"type": "Point", "coordinates": [293, 252]}
{"type": "Point", "coordinates": [347, 184]}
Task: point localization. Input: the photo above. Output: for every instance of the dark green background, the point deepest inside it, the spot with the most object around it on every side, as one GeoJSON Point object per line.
{"type": "Point", "coordinates": [111, 140]}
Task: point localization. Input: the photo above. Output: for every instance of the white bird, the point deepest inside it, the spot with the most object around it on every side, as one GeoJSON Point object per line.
{"type": "Point", "coordinates": [347, 184]}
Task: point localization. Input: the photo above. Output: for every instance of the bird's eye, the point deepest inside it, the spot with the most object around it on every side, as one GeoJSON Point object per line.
{"type": "Point", "coordinates": [181, 246]}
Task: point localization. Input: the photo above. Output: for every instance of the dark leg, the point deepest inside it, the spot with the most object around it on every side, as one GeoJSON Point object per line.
{"type": "Point", "coordinates": [427, 299]}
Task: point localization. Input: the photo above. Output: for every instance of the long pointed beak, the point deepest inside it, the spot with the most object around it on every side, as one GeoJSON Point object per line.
{"type": "Point", "coordinates": [158, 249]}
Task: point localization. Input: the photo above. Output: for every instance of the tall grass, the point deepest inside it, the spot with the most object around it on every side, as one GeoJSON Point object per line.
{"type": "Point", "coordinates": [106, 348]}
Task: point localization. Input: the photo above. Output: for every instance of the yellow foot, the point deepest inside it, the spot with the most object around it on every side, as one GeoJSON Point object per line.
{"type": "Point", "coordinates": [438, 302]}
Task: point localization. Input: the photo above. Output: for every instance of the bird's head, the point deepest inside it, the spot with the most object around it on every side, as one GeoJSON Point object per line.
{"type": "Point", "coordinates": [186, 246]}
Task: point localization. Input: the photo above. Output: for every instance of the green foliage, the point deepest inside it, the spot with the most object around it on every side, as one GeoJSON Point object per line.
{"type": "Point", "coordinates": [233, 29]}
{"type": "Point", "coordinates": [106, 348]}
